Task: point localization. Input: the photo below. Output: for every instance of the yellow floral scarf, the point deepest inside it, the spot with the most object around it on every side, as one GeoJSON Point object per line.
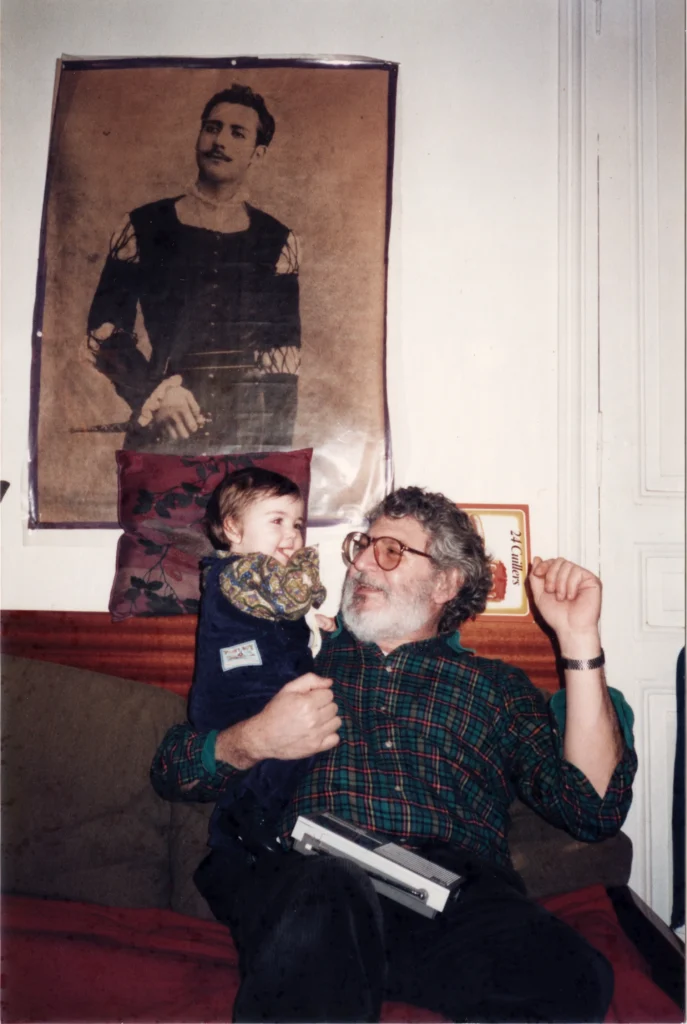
{"type": "Point", "coordinates": [258, 585]}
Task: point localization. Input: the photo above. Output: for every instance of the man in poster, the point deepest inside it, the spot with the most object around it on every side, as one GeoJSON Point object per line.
{"type": "Point", "coordinates": [215, 282]}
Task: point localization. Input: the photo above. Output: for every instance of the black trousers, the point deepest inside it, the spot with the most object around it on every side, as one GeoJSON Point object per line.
{"type": "Point", "coordinates": [316, 943]}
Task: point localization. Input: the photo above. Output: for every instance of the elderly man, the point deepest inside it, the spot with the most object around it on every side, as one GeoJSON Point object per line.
{"type": "Point", "coordinates": [425, 743]}
{"type": "Point", "coordinates": [210, 283]}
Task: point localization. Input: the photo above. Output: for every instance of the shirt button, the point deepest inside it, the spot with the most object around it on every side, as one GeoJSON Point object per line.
{"type": "Point", "coordinates": [398, 788]}
{"type": "Point", "coordinates": [389, 668]}
{"type": "Point", "coordinates": [211, 376]}
{"type": "Point", "coordinates": [388, 744]}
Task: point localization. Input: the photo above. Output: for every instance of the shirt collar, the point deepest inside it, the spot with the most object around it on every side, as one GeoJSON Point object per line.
{"type": "Point", "coordinates": [451, 639]}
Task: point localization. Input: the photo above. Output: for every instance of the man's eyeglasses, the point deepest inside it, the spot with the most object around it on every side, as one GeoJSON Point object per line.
{"type": "Point", "coordinates": [387, 550]}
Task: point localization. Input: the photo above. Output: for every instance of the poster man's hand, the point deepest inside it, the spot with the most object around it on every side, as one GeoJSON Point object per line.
{"type": "Point", "coordinates": [179, 413]}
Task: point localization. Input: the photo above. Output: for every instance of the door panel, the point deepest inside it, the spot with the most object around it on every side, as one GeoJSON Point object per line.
{"type": "Point", "coordinates": [637, 78]}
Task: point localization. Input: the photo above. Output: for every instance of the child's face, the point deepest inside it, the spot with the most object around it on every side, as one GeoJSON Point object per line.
{"type": "Point", "coordinates": [271, 526]}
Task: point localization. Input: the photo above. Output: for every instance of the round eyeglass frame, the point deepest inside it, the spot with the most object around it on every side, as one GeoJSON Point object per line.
{"type": "Point", "coordinates": [363, 541]}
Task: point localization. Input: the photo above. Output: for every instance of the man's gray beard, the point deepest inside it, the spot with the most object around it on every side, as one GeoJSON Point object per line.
{"type": "Point", "coordinates": [403, 613]}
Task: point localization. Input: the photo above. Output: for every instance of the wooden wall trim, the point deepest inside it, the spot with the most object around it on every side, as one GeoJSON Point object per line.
{"type": "Point", "coordinates": [155, 650]}
{"type": "Point", "coordinates": [161, 650]}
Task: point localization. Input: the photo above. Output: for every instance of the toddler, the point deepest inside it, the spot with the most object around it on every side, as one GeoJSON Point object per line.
{"type": "Point", "coordinates": [252, 635]}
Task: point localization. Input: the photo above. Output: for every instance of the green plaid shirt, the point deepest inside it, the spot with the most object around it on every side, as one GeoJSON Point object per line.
{"type": "Point", "coordinates": [435, 744]}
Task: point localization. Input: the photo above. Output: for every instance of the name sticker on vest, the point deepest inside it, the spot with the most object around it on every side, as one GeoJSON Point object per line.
{"type": "Point", "coordinates": [240, 655]}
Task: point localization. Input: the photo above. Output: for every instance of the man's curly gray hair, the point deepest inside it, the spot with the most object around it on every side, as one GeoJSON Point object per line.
{"type": "Point", "coordinates": [453, 543]}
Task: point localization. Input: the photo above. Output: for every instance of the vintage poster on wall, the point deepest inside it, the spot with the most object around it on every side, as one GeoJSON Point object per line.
{"type": "Point", "coordinates": [212, 274]}
{"type": "Point", "coordinates": [505, 530]}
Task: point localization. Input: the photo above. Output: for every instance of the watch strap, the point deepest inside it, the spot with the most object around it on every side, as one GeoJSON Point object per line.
{"type": "Point", "coordinates": [575, 665]}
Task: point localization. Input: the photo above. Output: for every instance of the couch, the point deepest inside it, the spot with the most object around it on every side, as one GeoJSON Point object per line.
{"type": "Point", "coordinates": [101, 921]}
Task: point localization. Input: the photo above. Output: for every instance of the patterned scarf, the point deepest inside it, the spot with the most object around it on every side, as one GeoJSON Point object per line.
{"type": "Point", "coordinates": [259, 585]}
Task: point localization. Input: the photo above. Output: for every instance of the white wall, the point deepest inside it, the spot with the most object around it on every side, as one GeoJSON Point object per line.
{"type": "Point", "coordinates": [473, 265]}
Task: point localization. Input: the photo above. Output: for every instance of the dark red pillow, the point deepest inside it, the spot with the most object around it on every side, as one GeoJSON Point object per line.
{"type": "Point", "coordinates": [162, 501]}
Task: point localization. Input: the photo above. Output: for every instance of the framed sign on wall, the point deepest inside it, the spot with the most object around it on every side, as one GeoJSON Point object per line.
{"type": "Point", "coordinates": [505, 530]}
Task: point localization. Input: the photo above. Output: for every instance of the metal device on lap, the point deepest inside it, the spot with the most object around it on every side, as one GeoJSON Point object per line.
{"type": "Point", "coordinates": [395, 872]}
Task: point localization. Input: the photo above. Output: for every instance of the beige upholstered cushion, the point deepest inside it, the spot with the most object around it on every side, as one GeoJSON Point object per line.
{"type": "Point", "coordinates": [80, 819]}
{"type": "Point", "coordinates": [187, 847]}
{"type": "Point", "coordinates": [550, 861]}
{"type": "Point", "coordinates": [547, 858]}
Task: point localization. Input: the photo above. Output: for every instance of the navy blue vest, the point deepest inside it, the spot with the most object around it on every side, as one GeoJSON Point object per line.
{"type": "Point", "coordinates": [209, 299]}
{"type": "Point", "coordinates": [222, 696]}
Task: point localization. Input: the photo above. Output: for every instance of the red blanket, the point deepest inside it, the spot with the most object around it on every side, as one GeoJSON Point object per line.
{"type": "Point", "coordinates": [79, 962]}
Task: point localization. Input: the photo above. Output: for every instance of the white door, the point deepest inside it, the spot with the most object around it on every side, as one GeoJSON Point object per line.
{"type": "Point", "coordinates": [621, 345]}
{"type": "Point", "coordinates": [636, 62]}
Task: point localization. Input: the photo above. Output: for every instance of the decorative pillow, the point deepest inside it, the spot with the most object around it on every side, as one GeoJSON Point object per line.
{"type": "Point", "coordinates": [162, 501]}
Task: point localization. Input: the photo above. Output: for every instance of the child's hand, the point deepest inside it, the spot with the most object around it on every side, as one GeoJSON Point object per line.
{"type": "Point", "coordinates": [325, 623]}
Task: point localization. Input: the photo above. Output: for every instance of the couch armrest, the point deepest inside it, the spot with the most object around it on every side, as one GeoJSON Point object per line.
{"type": "Point", "coordinates": [551, 862]}
{"type": "Point", "coordinates": [663, 951]}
